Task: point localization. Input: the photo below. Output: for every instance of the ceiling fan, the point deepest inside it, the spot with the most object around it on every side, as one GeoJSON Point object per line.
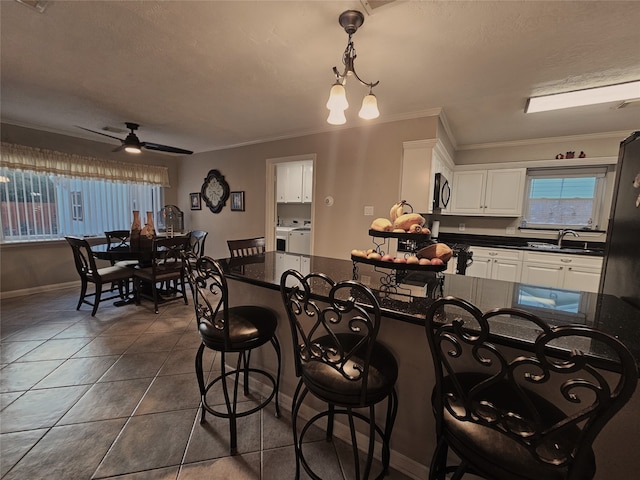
{"type": "Point", "coordinates": [132, 143]}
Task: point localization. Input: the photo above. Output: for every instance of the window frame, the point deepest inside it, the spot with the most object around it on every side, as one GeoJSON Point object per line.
{"type": "Point", "coordinates": [597, 212]}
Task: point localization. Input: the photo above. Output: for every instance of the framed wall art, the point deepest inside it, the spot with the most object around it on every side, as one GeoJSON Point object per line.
{"type": "Point", "coordinates": [195, 202]}
{"type": "Point", "coordinates": [237, 201]}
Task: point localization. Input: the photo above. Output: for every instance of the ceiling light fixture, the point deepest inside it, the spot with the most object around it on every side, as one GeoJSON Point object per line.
{"type": "Point", "coordinates": [580, 98]}
{"type": "Point", "coordinates": [350, 20]}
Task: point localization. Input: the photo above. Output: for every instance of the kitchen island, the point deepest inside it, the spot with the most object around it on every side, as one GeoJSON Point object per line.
{"type": "Point", "coordinates": [256, 280]}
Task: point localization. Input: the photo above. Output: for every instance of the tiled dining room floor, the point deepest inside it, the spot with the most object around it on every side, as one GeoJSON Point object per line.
{"type": "Point", "coordinates": [115, 396]}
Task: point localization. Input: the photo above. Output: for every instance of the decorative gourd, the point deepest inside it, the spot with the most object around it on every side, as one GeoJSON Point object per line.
{"type": "Point", "coordinates": [406, 220]}
{"type": "Point", "coordinates": [381, 225]}
{"type": "Point", "coordinates": [438, 250]}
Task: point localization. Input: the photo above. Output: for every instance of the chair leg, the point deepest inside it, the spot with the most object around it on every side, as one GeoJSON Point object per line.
{"type": "Point", "coordinates": [276, 347]}
{"type": "Point", "coordinates": [354, 441]}
{"type": "Point", "coordinates": [136, 289]}
{"type": "Point", "coordinates": [438, 466]}
{"type": "Point", "coordinates": [231, 405]}
{"type": "Point", "coordinates": [330, 422]}
{"type": "Point", "coordinates": [154, 293]}
{"type": "Point", "coordinates": [246, 360]}
{"type": "Point", "coordinates": [83, 292]}
{"type": "Point", "coordinates": [200, 377]}
{"type": "Point", "coordinates": [96, 299]}
{"type": "Point", "coordinates": [295, 407]}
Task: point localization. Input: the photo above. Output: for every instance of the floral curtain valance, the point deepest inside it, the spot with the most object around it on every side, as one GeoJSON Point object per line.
{"type": "Point", "coordinates": [50, 161]}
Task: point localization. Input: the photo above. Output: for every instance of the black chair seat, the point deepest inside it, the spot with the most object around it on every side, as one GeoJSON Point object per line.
{"type": "Point", "coordinates": [249, 327]}
{"type": "Point", "coordinates": [493, 452]}
{"type": "Point", "coordinates": [329, 384]}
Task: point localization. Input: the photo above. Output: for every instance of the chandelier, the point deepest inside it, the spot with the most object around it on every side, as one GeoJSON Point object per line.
{"type": "Point", "coordinates": [350, 20]}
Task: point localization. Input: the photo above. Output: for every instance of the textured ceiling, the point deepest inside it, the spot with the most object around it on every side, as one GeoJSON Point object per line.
{"type": "Point", "coordinates": [210, 74]}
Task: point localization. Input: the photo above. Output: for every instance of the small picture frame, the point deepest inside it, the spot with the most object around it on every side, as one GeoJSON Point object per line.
{"type": "Point", "coordinates": [237, 201]}
{"type": "Point", "coordinates": [195, 202]}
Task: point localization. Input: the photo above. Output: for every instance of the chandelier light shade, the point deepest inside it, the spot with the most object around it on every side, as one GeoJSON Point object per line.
{"type": "Point", "coordinates": [350, 20]}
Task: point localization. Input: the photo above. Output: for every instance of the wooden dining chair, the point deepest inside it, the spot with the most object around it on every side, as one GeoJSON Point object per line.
{"type": "Point", "coordinates": [246, 247]}
{"type": "Point", "coordinates": [89, 273]}
{"type": "Point", "coordinates": [167, 266]}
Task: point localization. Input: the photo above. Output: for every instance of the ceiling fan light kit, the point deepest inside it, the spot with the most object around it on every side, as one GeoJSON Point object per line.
{"type": "Point", "coordinates": [350, 20]}
{"type": "Point", "coordinates": [132, 144]}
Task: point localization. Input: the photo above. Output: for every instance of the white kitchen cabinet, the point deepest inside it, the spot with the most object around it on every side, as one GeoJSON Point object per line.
{"type": "Point", "coordinates": [294, 182]}
{"type": "Point", "coordinates": [288, 261]}
{"type": "Point", "coordinates": [497, 193]}
{"type": "Point", "coordinates": [496, 263]}
{"type": "Point", "coordinates": [573, 272]}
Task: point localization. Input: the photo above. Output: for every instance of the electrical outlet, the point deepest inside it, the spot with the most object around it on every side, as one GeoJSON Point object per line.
{"type": "Point", "coordinates": [368, 211]}
{"type": "Point", "coordinates": [511, 230]}
{"type": "Point", "coordinates": [461, 227]}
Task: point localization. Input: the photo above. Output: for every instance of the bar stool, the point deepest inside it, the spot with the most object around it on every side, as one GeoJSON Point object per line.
{"type": "Point", "coordinates": [225, 329]}
{"type": "Point", "coordinates": [338, 360]}
{"type": "Point", "coordinates": [515, 413]}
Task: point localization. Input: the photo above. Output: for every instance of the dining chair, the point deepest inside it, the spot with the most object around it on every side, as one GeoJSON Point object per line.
{"type": "Point", "coordinates": [526, 413]}
{"type": "Point", "coordinates": [246, 247]}
{"type": "Point", "coordinates": [119, 240]}
{"type": "Point", "coordinates": [338, 358]}
{"type": "Point", "coordinates": [167, 266]}
{"type": "Point", "coordinates": [89, 273]}
{"type": "Point", "coordinates": [236, 330]}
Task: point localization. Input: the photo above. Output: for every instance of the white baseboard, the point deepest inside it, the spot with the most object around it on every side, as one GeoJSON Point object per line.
{"type": "Point", "coordinates": [40, 289]}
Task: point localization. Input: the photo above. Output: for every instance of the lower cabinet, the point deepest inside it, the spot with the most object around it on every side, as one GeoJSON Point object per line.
{"type": "Point", "coordinates": [573, 272]}
{"type": "Point", "coordinates": [288, 261]}
{"type": "Point", "coordinates": [496, 264]}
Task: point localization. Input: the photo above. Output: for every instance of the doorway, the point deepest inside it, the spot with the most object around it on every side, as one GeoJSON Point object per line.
{"type": "Point", "coordinates": [289, 212]}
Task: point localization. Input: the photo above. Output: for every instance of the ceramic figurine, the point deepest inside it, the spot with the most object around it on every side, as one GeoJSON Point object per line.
{"type": "Point", "coordinates": [582, 155]}
{"type": "Point", "coordinates": [570, 154]}
{"type": "Point", "coordinates": [559, 156]}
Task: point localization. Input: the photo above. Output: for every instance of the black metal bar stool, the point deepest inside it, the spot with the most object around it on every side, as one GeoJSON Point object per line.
{"type": "Point", "coordinates": [521, 413]}
{"type": "Point", "coordinates": [225, 329]}
{"type": "Point", "coordinates": [339, 360]}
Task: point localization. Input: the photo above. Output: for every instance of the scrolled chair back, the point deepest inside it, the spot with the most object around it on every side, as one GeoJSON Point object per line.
{"type": "Point", "coordinates": [340, 332]}
{"type": "Point", "coordinates": [210, 293]}
{"type": "Point", "coordinates": [550, 397]}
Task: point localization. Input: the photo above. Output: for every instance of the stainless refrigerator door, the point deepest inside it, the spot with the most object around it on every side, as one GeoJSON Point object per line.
{"type": "Point", "coordinates": [621, 267]}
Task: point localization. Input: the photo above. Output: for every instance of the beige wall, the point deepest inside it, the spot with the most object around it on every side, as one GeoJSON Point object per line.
{"type": "Point", "coordinates": [358, 167]}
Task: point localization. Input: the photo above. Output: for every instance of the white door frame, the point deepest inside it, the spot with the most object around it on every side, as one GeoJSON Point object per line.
{"type": "Point", "coordinates": [271, 215]}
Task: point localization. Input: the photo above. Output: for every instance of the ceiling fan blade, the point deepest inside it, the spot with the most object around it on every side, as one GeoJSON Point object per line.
{"type": "Point", "coordinates": [99, 133]}
{"type": "Point", "coordinates": [165, 148]}
{"type": "Point", "coordinates": [118, 149]}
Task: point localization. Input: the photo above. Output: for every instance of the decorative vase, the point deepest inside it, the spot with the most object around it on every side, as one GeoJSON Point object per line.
{"type": "Point", "coordinates": [148, 232]}
{"type": "Point", "coordinates": [136, 227]}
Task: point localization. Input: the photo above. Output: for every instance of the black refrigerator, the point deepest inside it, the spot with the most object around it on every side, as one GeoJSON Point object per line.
{"type": "Point", "coordinates": [621, 267]}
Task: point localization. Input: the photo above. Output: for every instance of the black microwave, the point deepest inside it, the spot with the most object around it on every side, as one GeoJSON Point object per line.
{"type": "Point", "coordinates": [441, 192]}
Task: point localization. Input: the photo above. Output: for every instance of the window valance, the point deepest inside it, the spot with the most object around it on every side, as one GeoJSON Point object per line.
{"type": "Point", "coordinates": [50, 161]}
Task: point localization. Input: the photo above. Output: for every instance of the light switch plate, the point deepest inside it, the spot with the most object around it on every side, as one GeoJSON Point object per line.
{"type": "Point", "coordinates": [461, 227]}
{"type": "Point", "coordinates": [511, 230]}
{"type": "Point", "coordinates": [368, 211]}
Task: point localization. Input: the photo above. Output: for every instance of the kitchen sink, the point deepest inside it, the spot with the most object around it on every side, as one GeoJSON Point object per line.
{"type": "Point", "coordinates": [556, 248]}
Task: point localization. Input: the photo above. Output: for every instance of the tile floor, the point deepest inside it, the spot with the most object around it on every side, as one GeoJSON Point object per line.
{"type": "Point", "coordinates": [115, 396]}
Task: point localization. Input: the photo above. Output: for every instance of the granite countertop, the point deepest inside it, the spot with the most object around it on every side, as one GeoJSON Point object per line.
{"type": "Point", "coordinates": [570, 244]}
{"type": "Point", "coordinates": [408, 300]}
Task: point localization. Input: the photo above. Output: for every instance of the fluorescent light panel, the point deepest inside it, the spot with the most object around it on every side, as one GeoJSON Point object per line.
{"type": "Point", "coordinates": [579, 98]}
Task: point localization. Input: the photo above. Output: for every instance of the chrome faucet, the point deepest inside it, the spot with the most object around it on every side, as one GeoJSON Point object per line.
{"type": "Point", "coordinates": [562, 233]}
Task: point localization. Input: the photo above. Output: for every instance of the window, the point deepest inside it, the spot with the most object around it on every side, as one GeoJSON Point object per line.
{"type": "Point", "coordinates": [47, 195]}
{"type": "Point", "coordinates": [43, 207]}
{"type": "Point", "coordinates": [567, 198]}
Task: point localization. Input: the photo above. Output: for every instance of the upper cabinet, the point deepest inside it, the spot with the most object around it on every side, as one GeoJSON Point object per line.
{"type": "Point", "coordinates": [421, 160]}
{"type": "Point", "coordinates": [294, 182]}
{"type": "Point", "coordinates": [497, 193]}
